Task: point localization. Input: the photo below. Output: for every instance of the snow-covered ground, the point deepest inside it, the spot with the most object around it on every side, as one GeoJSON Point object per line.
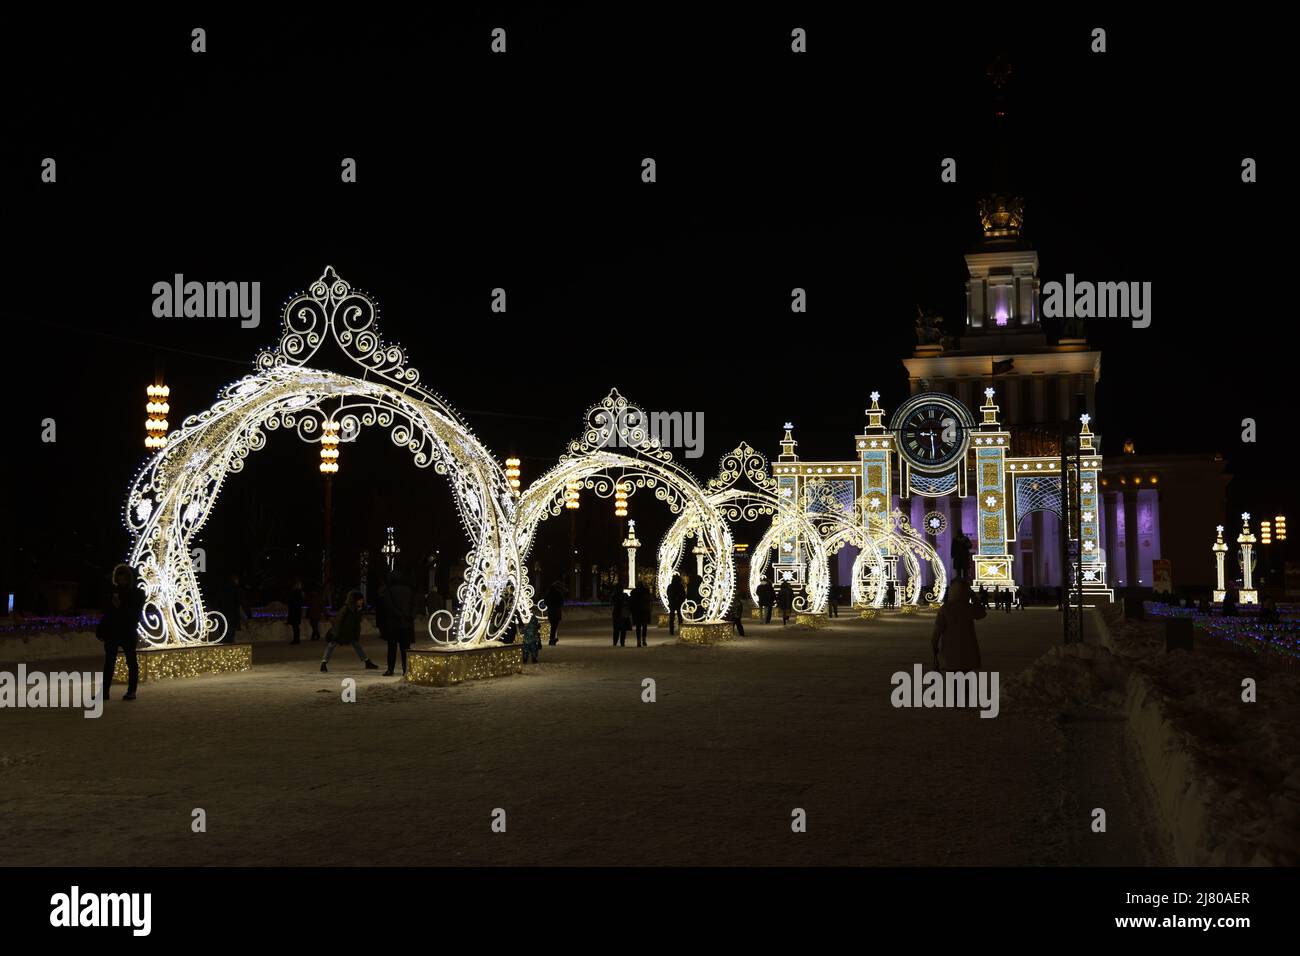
{"type": "Point", "coordinates": [1225, 772]}
{"type": "Point", "coordinates": [741, 735]}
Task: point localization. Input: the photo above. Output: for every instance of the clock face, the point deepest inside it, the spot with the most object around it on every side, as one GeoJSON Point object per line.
{"type": "Point", "coordinates": [931, 437]}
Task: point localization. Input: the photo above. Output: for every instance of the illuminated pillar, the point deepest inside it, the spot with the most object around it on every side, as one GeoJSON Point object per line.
{"type": "Point", "coordinates": [1220, 550]}
{"type": "Point", "coordinates": [875, 446]}
{"type": "Point", "coordinates": [1247, 541]}
{"type": "Point", "coordinates": [788, 565]}
{"type": "Point", "coordinates": [993, 562]}
{"type": "Point", "coordinates": [1091, 501]}
{"type": "Point", "coordinates": [631, 543]}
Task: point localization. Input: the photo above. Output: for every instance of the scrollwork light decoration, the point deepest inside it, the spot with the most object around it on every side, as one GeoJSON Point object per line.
{"type": "Point", "coordinates": [616, 449]}
{"type": "Point", "coordinates": [173, 495]}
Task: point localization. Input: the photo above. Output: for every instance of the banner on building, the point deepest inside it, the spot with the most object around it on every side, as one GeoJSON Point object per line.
{"type": "Point", "coordinates": [1162, 576]}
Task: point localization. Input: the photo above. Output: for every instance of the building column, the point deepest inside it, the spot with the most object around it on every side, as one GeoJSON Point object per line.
{"type": "Point", "coordinates": [1040, 540]}
{"type": "Point", "coordinates": [1112, 537]}
{"type": "Point", "coordinates": [1131, 536]}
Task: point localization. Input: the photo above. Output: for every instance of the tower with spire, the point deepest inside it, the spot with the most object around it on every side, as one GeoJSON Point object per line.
{"type": "Point", "coordinates": [1002, 343]}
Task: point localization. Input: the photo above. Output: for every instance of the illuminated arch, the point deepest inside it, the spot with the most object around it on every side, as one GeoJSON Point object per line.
{"type": "Point", "coordinates": [174, 494]}
{"type": "Point", "coordinates": [641, 465]}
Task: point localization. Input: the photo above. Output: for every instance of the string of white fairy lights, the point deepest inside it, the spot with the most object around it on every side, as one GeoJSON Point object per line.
{"type": "Point", "coordinates": [174, 493]}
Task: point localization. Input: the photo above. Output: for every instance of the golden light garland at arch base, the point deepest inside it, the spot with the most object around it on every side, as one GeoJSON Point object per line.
{"type": "Point", "coordinates": [708, 632]}
{"type": "Point", "coordinates": [445, 666]}
{"type": "Point", "coordinates": [190, 660]}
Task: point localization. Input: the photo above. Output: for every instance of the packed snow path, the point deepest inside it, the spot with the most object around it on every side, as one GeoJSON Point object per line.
{"type": "Point", "coordinates": [740, 736]}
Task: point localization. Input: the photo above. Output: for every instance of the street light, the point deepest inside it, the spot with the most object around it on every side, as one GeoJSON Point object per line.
{"type": "Point", "coordinates": [1265, 532]}
{"type": "Point", "coordinates": [1279, 526]}
{"type": "Point", "coordinates": [620, 500]}
{"type": "Point", "coordinates": [513, 473]}
{"type": "Point", "coordinates": [155, 426]}
{"type": "Point", "coordinates": [571, 501]}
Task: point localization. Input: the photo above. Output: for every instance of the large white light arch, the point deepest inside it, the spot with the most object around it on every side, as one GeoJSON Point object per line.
{"type": "Point", "coordinates": [174, 494]}
{"type": "Point", "coordinates": [616, 447]}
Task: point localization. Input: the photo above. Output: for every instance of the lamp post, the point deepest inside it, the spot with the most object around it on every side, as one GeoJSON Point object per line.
{"type": "Point", "coordinates": [1247, 541]}
{"type": "Point", "coordinates": [572, 502]}
{"type": "Point", "coordinates": [329, 466]}
{"type": "Point", "coordinates": [631, 543]}
{"type": "Point", "coordinates": [1220, 550]}
{"type": "Point", "coordinates": [390, 549]}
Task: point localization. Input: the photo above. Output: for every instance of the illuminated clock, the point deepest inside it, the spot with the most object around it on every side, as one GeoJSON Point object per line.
{"type": "Point", "coordinates": [933, 432]}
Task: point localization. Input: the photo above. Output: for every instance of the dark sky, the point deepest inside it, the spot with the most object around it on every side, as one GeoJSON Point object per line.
{"type": "Point", "coordinates": [522, 171]}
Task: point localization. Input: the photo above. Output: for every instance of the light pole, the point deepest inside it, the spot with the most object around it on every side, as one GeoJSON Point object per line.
{"type": "Point", "coordinates": [631, 543]}
{"type": "Point", "coordinates": [1247, 541]}
{"type": "Point", "coordinates": [572, 503]}
{"type": "Point", "coordinates": [329, 466]}
{"type": "Point", "coordinates": [1220, 550]}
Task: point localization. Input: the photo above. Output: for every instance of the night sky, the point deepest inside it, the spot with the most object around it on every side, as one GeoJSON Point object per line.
{"type": "Point", "coordinates": [523, 171]}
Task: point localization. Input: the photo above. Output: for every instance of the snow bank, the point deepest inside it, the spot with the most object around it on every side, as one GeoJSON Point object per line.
{"type": "Point", "coordinates": [1226, 773]}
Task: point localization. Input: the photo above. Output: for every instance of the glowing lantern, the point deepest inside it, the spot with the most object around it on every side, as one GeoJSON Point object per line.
{"type": "Point", "coordinates": [155, 426]}
{"type": "Point", "coordinates": [329, 449]}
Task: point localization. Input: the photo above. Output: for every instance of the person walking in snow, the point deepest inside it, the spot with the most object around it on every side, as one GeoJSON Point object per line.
{"type": "Point", "coordinates": [347, 630]}
{"type": "Point", "coordinates": [953, 642]}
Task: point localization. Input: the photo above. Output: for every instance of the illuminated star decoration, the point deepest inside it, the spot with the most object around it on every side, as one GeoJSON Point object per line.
{"type": "Point", "coordinates": [988, 393]}
{"type": "Point", "coordinates": [789, 424]}
{"type": "Point", "coordinates": [1245, 516]}
{"type": "Point", "coordinates": [1085, 418]}
{"type": "Point", "coordinates": [990, 501]}
{"type": "Point", "coordinates": [1219, 528]}
{"type": "Point", "coordinates": [875, 397]}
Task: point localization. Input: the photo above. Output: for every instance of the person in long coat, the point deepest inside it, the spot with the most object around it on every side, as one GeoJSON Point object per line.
{"type": "Point", "coordinates": [347, 630]}
{"type": "Point", "coordinates": [953, 642]}
{"type": "Point", "coordinates": [642, 607]}
{"type": "Point", "coordinates": [555, 596]}
{"type": "Point", "coordinates": [294, 616]}
{"type": "Point", "coordinates": [117, 629]}
{"type": "Point", "coordinates": [398, 620]}
{"type": "Point", "coordinates": [676, 598]}
{"type": "Point", "coordinates": [622, 608]}
{"type": "Point", "coordinates": [785, 598]}
{"type": "Point", "coordinates": [766, 600]}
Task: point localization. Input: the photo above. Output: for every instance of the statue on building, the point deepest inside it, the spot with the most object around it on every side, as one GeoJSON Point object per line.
{"type": "Point", "coordinates": [929, 329]}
